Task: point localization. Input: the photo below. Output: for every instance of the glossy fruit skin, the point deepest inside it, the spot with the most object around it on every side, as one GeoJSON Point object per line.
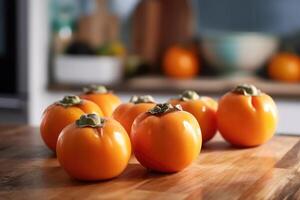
{"type": "Point", "coordinates": [127, 112]}
{"type": "Point", "coordinates": [180, 63]}
{"type": "Point", "coordinates": [56, 117]}
{"type": "Point", "coordinates": [285, 67]}
{"type": "Point", "coordinates": [204, 110]}
{"type": "Point", "coordinates": [107, 102]}
{"type": "Point", "coordinates": [94, 153]}
{"type": "Point", "coordinates": [247, 121]}
{"type": "Point", "coordinates": [166, 143]}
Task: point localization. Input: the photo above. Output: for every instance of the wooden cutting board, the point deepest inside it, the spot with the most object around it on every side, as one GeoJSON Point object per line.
{"type": "Point", "coordinates": [146, 29]}
{"type": "Point", "coordinates": [159, 24]}
{"type": "Point", "coordinates": [28, 170]}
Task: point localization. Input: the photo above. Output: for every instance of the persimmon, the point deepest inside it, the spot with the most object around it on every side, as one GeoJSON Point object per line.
{"type": "Point", "coordinates": [166, 139]}
{"type": "Point", "coordinates": [127, 112]}
{"type": "Point", "coordinates": [246, 116]}
{"type": "Point", "coordinates": [179, 62]}
{"type": "Point", "coordinates": [285, 67]}
{"type": "Point", "coordinates": [62, 113]}
{"type": "Point", "coordinates": [204, 110]}
{"type": "Point", "coordinates": [106, 100]}
{"type": "Point", "coordinates": [93, 148]}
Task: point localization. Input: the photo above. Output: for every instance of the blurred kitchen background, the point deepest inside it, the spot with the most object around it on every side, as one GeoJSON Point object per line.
{"type": "Point", "coordinates": [50, 48]}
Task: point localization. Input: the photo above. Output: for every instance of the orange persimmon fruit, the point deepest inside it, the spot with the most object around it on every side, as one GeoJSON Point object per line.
{"type": "Point", "coordinates": [127, 112]}
{"type": "Point", "coordinates": [204, 110]}
{"type": "Point", "coordinates": [105, 99]}
{"type": "Point", "coordinates": [93, 148]}
{"type": "Point", "coordinates": [246, 116]}
{"type": "Point", "coordinates": [165, 138]}
{"type": "Point", "coordinates": [284, 67]}
{"type": "Point", "coordinates": [179, 62]}
{"type": "Point", "coordinates": [62, 113]}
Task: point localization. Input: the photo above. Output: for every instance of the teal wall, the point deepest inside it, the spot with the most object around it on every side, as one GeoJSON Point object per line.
{"type": "Point", "coordinates": [275, 16]}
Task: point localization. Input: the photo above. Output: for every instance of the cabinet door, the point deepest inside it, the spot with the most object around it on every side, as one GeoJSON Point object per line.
{"type": "Point", "coordinates": [8, 50]}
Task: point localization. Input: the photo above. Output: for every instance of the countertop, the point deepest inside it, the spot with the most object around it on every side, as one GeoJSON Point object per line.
{"type": "Point", "coordinates": [28, 170]}
{"type": "Point", "coordinates": [203, 85]}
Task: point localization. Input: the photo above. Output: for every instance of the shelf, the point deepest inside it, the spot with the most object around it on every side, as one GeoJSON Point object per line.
{"type": "Point", "coordinates": [212, 86]}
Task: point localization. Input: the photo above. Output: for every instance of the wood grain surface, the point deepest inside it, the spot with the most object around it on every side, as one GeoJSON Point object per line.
{"type": "Point", "coordinates": [28, 170]}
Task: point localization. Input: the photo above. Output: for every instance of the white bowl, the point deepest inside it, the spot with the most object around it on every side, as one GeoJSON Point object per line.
{"type": "Point", "coordinates": [87, 69]}
{"type": "Point", "coordinates": [238, 51]}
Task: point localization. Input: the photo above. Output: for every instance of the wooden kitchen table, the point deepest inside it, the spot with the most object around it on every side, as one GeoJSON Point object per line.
{"type": "Point", "coordinates": [28, 170]}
